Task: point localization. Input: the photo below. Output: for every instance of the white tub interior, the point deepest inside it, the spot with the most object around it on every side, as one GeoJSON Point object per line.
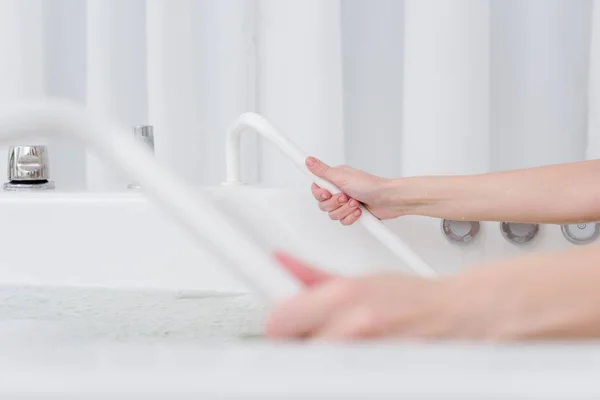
{"type": "Point", "coordinates": [112, 265]}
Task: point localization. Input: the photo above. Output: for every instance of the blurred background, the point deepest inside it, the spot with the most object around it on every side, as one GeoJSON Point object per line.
{"type": "Point", "coordinates": [395, 87]}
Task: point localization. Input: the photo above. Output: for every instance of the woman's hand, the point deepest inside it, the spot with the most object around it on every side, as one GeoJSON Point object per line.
{"type": "Point", "coordinates": [540, 296]}
{"type": "Point", "coordinates": [383, 305]}
{"type": "Point", "coordinates": [356, 186]}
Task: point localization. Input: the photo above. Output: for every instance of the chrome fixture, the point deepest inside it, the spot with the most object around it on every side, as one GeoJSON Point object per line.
{"type": "Point", "coordinates": [460, 231]}
{"type": "Point", "coordinates": [518, 233]}
{"type": "Point", "coordinates": [581, 233]}
{"type": "Point", "coordinates": [28, 169]}
{"type": "Point", "coordinates": [145, 135]}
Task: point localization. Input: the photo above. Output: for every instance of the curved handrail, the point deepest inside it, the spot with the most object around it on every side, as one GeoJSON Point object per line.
{"type": "Point", "coordinates": [289, 149]}
{"type": "Point", "coordinates": [191, 211]}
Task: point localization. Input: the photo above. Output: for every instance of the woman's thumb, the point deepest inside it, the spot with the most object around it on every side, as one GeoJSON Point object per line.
{"type": "Point", "coordinates": [306, 274]}
{"type": "Point", "coordinates": [318, 167]}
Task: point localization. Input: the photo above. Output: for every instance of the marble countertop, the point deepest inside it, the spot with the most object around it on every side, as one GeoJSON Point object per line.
{"type": "Point", "coordinates": [259, 369]}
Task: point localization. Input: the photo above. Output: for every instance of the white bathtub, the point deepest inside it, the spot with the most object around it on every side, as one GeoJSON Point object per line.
{"type": "Point", "coordinates": [368, 371]}
{"type": "Point", "coordinates": [101, 294]}
{"type": "Point", "coordinates": [111, 265]}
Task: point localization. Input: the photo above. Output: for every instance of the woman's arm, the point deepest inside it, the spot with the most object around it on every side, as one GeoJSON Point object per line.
{"type": "Point", "coordinates": [541, 296]}
{"type": "Point", "coordinates": [562, 193]}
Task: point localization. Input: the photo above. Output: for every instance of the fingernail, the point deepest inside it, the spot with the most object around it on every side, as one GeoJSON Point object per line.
{"type": "Point", "coordinates": [356, 213]}
{"type": "Point", "coordinates": [324, 196]}
{"type": "Point", "coordinates": [311, 161]}
{"type": "Point", "coordinates": [342, 199]}
{"type": "Point", "coordinates": [353, 203]}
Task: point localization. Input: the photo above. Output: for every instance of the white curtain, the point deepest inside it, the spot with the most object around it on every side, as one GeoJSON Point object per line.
{"type": "Point", "coordinates": [396, 87]}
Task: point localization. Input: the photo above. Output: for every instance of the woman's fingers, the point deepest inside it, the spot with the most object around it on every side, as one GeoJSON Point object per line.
{"type": "Point", "coordinates": [319, 193]}
{"type": "Point", "coordinates": [344, 211]}
{"type": "Point", "coordinates": [308, 312]}
{"type": "Point", "coordinates": [340, 207]}
{"type": "Point", "coordinates": [334, 202]}
{"type": "Point", "coordinates": [308, 275]}
{"type": "Point", "coordinates": [352, 218]}
{"type": "Point", "coordinates": [355, 323]}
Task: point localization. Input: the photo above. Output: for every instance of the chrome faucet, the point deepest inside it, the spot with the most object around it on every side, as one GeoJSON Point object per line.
{"type": "Point", "coordinates": [145, 135]}
{"type": "Point", "coordinates": [28, 169]}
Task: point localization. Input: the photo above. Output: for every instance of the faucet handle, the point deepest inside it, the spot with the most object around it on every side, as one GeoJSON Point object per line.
{"type": "Point", "coordinates": [28, 163]}
{"type": "Point", "coordinates": [145, 134]}
{"type": "Point", "coordinates": [28, 168]}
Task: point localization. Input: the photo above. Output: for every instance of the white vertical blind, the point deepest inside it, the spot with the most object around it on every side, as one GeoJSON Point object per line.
{"type": "Point", "coordinates": [200, 78]}
{"type": "Point", "coordinates": [397, 87]}
{"type": "Point", "coordinates": [593, 144]}
{"type": "Point", "coordinates": [446, 87]}
{"type": "Point", "coordinates": [22, 48]}
{"type": "Point", "coordinates": [116, 71]}
{"type": "Point", "coordinates": [540, 63]}
{"type": "Point", "coordinates": [64, 51]}
{"type": "Point", "coordinates": [300, 82]}
{"type": "Point", "coordinates": [373, 64]}
{"type": "Point", "coordinates": [173, 84]}
{"type": "Point", "coordinates": [22, 61]}
{"type": "Point", "coordinates": [226, 68]}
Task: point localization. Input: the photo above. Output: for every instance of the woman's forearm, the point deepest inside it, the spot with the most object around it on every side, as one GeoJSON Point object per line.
{"type": "Point", "coordinates": [563, 193]}
{"type": "Point", "coordinates": [540, 296]}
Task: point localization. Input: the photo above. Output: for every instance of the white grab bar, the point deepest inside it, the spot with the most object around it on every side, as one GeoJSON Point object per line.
{"type": "Point", "coordinates": [191, 211]}
{"type": "Point", "coordinates": [289, 149]}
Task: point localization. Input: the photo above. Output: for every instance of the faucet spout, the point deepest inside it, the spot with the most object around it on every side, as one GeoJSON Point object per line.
{"type": "Point", "coordinates": [259, 124]}
{"type": "Point", "coordinates": [191, 211]}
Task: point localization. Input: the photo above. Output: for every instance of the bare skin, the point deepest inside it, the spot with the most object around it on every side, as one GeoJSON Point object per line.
{"type": "Point", "coordinates": [554, 194]}
{"type": "Point", "coordinates": [540, 296]}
